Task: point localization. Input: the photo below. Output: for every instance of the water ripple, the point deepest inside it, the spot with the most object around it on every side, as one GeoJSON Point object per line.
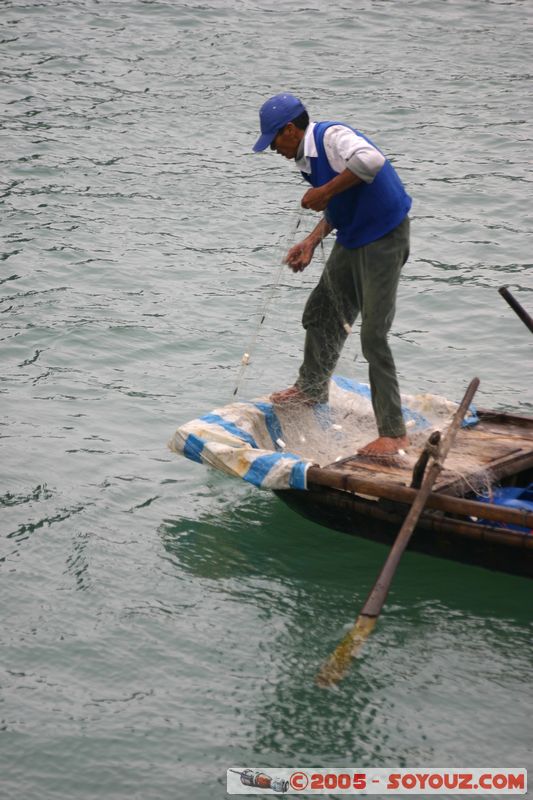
{"type": "Point", "coordinates": [160, 621]}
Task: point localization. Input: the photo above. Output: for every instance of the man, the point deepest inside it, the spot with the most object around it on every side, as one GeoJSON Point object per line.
{"type": "Point", "coordinates": [366, 203]}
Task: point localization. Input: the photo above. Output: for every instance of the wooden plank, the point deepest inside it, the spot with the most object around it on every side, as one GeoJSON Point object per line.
{"type": "Point", "coordinates": [487, 439]}
{"type": "Point", "coordinates": [499, 470]}
{"type": "Point", "coordinates": [465, 470]}
{"type": "Point", "coordinates": [376, 469]}
{"type": "Point", "coordinates": [489, 446]}
{"type": "Point", "coordinates": [501, 426]}
{"type": "Point", "coordinates": [475, 459]}
{"type": "Point", "coordinates": [321, 476]}
{"type": "Point", "coordinates": [504, 418]}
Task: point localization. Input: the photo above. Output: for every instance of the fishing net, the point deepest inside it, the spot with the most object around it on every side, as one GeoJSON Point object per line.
{"type": "Point", "coordinates": [272, 445]}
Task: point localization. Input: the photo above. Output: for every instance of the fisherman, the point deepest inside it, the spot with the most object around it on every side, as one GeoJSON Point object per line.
{"type": "Point", "coordinates": [364, 200]}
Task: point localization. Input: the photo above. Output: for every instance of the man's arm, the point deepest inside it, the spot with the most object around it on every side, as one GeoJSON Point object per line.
{"type": "Point", "coordinates": [355, 160]}
{"type": "Point", "coordinates": [318, 198]}
{"type": "Point", "coordinates": [300, 255]}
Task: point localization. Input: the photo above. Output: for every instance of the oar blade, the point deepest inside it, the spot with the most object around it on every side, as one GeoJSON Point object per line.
{"type": "Point", "coordinates": [337, 665]}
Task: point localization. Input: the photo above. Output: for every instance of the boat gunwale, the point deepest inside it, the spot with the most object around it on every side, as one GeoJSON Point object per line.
{"type": "Point", "coordinates": [435, 520]}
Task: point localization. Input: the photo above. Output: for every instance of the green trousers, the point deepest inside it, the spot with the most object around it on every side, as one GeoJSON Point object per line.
{"type": "Point", "coordinates": [360, 281]}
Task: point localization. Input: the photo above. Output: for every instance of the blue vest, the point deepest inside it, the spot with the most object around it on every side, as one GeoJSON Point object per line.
{"type": "Point", "coordinates": [365, 212]}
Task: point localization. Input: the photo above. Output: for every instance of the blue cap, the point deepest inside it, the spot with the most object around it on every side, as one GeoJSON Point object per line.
{"type": "Point", "coordinates": [274, 114]}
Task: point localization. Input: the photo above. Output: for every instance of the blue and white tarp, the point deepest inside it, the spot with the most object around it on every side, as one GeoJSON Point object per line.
{"type": "Point", "coordinates": [272, 447]}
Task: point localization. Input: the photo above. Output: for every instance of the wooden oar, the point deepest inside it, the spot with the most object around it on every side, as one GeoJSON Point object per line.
{"type": "Point", "coordinates": [517, 308]}
{"type": "Point", "coordinates": [337, 665]}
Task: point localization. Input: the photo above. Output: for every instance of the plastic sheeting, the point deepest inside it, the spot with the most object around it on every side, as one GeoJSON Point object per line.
{"type": "Point", "coordinates": [272, 447]}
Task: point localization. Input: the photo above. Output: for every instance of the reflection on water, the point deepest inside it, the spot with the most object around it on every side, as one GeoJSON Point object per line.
{"type": "Point", "coordinates": [446, 631]}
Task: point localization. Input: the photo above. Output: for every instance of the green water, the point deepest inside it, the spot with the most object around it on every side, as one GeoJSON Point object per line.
{"type": "Point", "coordinates": [161, 622]}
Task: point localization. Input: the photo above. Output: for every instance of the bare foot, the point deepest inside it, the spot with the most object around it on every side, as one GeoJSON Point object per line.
{"type": "Point", "coordinates": [291, 396]}
{"type": "Point", "coordinates": [384, 446]}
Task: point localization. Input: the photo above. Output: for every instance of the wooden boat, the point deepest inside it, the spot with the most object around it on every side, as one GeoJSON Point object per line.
{"type": "Point", "coordinates": [370, 497]}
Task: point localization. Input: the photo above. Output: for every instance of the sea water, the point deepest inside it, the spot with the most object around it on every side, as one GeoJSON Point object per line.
{"type": "Point", "coordinates": [161, 622]}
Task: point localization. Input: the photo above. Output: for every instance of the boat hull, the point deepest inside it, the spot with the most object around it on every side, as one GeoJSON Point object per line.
{"type": "Point", "coordinates": [436, 534]}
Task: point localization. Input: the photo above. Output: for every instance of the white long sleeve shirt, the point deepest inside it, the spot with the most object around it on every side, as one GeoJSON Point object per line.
{"type": "Point", "coordinates": [344, 149]}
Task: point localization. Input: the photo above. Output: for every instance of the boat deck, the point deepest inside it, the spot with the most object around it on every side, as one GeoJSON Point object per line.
{"type": "Point", "coordinates": [493, 449]}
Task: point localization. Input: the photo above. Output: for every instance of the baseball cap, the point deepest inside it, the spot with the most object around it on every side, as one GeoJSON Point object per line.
{"type": "Point", "coordinates": [276, 112]}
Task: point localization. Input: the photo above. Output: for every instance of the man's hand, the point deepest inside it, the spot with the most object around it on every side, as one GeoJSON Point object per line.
{"type": "Point", "coordinates": [300, 255]}
{"type": "Point", "coordinates": [316, 199]}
